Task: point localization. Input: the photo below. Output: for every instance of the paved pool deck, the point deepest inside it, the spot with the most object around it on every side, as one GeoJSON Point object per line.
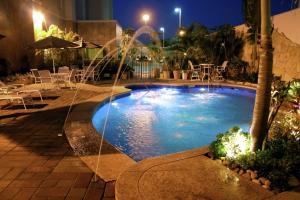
{"type": "Point", "coordinates": [189, 176]}
{"type": "Point", "coordinates": [38, 162]}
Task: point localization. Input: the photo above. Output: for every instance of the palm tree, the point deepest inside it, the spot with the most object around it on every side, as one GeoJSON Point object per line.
{"type": "Point", "coordinates": [259, 125]}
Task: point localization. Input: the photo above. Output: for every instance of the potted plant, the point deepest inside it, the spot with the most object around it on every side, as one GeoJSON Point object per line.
{"type": "Point", "coordinates": [166, 72]}
{"type": "Point", "coordinates": [176, 71]}
{"type": "Point", "coordinates": [127, 72]}
{"type": "Point", "coordinates": [184, 74]}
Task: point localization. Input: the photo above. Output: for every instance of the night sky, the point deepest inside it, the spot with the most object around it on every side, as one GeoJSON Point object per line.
{"type": "Point", "coordinates": [210, 13]}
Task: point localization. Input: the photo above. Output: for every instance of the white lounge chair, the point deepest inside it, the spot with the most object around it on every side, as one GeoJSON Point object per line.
{"type": "Point", "coordinates": [3, 85]}
{"type": "Point", "coordinates": [16, 89]}
{"type": "Point", "coordinates": [220, 70]}
{"type": "Point", "coordinates": [35, 74]}
{"type": "Point", "coordinates": [71, 78]}
{"type": "Point", "coordinates": [89, 72]}
{"type": "Point", "coordinates": [11, 98]}
{"type": "Point", "coordinates": [45, 76]}
{"type": "Point", "coordinates": [64, 69]}
{"type": "Point", "coordinates": [196, 70]}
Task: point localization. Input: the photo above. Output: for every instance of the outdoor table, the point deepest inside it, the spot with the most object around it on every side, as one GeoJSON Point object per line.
{"type": "Point", "coordinates": [59, 76]}
{"type": "Point", "coordinates": [206, 69]}
{"type": "Point", "coordinates": [79, 74]}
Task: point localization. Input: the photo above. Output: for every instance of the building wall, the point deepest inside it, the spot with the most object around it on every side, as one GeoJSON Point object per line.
{"type": "Point", "coordinates": [94, 9]}
{"type": "Point", "coordinates": [19, 33]}
{"type": "Point", "coordinates": [58, 12]}
{"type": "Point", "coordinates": [17, 25]}
{"type": "Point", "coordinates": [286, 44]}
{"type": "Point", "coordinates": [99, 32]}
{"type": "Point", "coordinates": [286, 60]}
{"type": "Point", "coordinates": [289, 24]}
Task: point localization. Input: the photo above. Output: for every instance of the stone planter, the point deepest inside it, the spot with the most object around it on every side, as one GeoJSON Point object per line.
{"type": "Point", "coordinates": [166, 74]}
{"type": "Point", "coordinates": [176, 74]}
{"type": "Point", "coordinates": [124, 76]}
{"type": "Point", "coordinates": [184, 75]}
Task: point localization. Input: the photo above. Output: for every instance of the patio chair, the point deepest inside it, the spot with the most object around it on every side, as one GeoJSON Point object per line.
{"type": "Point", "coordinates": [220, 70]}
{"type": "Point", "coordinates": [3, 85]}
{"type": "Point", "coordinates": [35, 74]}
{"type": "Point", "coordinates": [17, 89]}
{"type": "Point", "coordinates": [89, 72]}
{"type": "Point", "coordinates": [45, 76]}
{"type": "Point", "coordinates": [64, 69]}
{"type": "Point", "coordinates": [47, 81]}
{"type": "Point", "coordinates": [12, 97]}
{"type": "Point", "coordinates": [195, 73]}
{"type": "Point", "coordinates": [71, 78]}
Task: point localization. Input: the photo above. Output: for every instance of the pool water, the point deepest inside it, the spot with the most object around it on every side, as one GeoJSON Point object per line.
{"type": "Point", "coordinates": [157, 121]}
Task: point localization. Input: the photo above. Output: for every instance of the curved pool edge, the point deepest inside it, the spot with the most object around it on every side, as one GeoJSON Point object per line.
{"type": "Point", "coordinates": [84, 139]}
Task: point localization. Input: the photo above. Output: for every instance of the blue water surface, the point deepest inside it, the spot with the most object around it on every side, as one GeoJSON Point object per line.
{"type": "Point", "coordinates": [157, 121]}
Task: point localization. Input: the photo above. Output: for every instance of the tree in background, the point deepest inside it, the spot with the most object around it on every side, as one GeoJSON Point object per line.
{"type": "Point", "coordinates": [227, 45]}
{"type": "Point", "coordinates": [61, 57]}
{"type": "Point", "coordinates": [251, 10]}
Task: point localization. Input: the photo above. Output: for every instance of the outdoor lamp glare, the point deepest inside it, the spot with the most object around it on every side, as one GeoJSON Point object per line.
{"type": "Point", "coordinates": [38, 19]}
{"type": "Point", "coordinates": [177, 10]}
{"type": "Point", "coordinates": [146, 18]}
{"type": "Point", "coordinates": [181, 33]}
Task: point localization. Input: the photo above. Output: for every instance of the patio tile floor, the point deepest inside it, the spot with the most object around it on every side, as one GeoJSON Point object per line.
{"type": "Point", "coordinates": [36, 163]}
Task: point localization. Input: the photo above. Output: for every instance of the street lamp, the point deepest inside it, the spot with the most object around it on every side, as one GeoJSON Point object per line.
{"type": "Point", "coordinates": [162, 29]}
{"type": "Point", "coordinates": [146, 18]}
{"type": "Point", "coordinates": [178, 10]}
{"type": "Point", "coordinates": [181, 33]}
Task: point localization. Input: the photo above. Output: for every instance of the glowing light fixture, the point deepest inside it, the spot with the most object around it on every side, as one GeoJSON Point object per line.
{"type": "Point", "coordinates": [38, 19]}
{"type": "Point", "coordinates": [146, 18]}
{"type": "Point", "coordinates": [181, 33]}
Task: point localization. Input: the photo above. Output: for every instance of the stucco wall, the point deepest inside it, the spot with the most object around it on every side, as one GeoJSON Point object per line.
{"type": "Point", "coordinates": [286, 60]}
{"type": "Point", "coordinates": [17, 25]}
{"type": "Point", "coordinates": [99, 32]}
{"type": "Point", "coordinates": [19, 33]}
{"type": "Point", "coordinates": [286, 44]}
{"type": "Point", "coordinates": [289, 24]}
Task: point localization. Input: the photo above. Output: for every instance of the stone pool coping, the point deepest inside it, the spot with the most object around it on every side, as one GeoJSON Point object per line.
{"type": "Point", "coordinates": [85, 141]}
{"type": "Point", "coordinates": [184, 175]}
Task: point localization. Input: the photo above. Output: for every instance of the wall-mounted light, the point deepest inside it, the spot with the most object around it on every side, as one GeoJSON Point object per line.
{"type": "Point", "coordinates": [38, 19]}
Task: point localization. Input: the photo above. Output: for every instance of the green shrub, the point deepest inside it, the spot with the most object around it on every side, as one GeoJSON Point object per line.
{"type": "Point", "coordinates": [264, 162]}
{"type": "Point", "coordinates": [231, 144]}
{"type": "Point", "coordinates": [278, 179]}
{"type": "Point", "coordinates": [245, 161]}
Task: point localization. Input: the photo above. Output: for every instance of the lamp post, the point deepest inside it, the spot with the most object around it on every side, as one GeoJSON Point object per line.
{"type": "Point", "coordinates": [146, 18]}
{"type": "Point", "coordinates": [178, 10]}
{"type": "Point", "coordinates": [162, 29]}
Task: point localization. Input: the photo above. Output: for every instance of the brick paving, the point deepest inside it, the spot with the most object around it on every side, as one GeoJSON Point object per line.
{"type": "Point", "coordinates": [36, 161]}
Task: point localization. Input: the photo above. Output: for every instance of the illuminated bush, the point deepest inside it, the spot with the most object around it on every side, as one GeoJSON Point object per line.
{"type": "Point", "coordinates": [231, 144]}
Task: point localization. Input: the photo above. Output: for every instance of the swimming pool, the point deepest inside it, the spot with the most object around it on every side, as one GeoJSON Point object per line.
{"type": "Point", "coordinates": [162, 120]}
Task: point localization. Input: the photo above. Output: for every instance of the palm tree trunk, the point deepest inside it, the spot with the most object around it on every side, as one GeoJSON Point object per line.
{"type": "Point", "coordinates": [259, 125]}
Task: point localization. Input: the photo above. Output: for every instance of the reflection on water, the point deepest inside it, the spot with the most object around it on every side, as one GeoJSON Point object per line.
{"type": "Point", "coordinates": [160, 121]}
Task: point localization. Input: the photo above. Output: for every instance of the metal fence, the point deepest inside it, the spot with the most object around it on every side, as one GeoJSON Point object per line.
{"type": "Point", "coordinates": [146, 69]}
